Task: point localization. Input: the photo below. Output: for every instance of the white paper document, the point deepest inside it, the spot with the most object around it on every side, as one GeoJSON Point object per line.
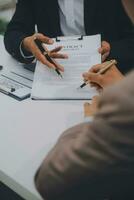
{"type": "Point", "coordinates": [83, 54]}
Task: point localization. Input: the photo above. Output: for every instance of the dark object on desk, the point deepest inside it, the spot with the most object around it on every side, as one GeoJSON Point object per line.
{"type": "Point", "coordinates": [1, 67]}
{"type": "Point", "coordinates": [7, 194]}
{"type": "Point", "coordinates": [30, 67]}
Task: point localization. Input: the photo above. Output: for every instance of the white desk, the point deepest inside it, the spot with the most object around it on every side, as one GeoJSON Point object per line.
{"type": "Point", "coordinates": [28, 129]}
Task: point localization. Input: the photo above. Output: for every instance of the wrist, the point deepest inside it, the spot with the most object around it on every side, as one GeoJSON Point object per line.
{"type": "Point", "coordinates": [25, 45]}
{"type": "Point", "coordinates": [25, 53]}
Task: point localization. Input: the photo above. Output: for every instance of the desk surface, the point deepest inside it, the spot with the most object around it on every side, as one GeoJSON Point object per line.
{"type": "Point", "coordinates": [28, 130]}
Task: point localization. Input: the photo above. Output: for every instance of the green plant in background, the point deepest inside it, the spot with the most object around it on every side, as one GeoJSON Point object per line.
{"type": "Point", "coordinates": [3, 25]}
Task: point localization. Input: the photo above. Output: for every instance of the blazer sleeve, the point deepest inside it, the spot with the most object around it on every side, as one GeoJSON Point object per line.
{"type": "Point", "coordinates": [21, 25]}
{"type": "Point", "coordinates": [90, 159]}
{"type": "Point", "coordinates": [123, 48]}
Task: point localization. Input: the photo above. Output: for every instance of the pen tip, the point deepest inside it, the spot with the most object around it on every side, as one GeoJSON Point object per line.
{"type": "Point", "coordinates": [61, 75]}
{"type": "Point", "coordinates": [83, 85]}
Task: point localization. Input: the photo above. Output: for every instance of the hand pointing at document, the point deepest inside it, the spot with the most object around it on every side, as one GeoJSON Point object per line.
{"type": "Point", "coordinates": [30, 45]}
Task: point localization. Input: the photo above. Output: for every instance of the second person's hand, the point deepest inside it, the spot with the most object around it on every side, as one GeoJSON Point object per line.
{"type": "Point", "coordinates": [110, 77]}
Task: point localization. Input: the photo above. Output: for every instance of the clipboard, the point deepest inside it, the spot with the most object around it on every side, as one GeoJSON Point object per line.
{"type": "Point", "coordinates": [59, 39]}
{"type": "Point", "coordinates": [83, 54]}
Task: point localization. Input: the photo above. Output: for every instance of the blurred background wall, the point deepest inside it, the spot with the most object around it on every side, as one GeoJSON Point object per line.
{"type": "Point", "coordinates": [7, 8]}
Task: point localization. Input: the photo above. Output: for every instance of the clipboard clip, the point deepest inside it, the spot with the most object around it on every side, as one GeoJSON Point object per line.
{"type": "Point", "coordinates": [59, 39]}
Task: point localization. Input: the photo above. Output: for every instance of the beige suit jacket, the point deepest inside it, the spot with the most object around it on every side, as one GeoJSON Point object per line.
{"type": "Point", "coordinates": [94, 160]}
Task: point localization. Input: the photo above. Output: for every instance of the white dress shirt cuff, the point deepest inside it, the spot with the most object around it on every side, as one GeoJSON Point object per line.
{"type": "Point", "coordinates": [23, 54]}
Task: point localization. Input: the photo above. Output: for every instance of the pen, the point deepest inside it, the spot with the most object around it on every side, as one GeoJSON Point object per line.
{"type": "Point", "coordinates": [45, 53]}
{"type": "Point", "coordinates": [102, 71]}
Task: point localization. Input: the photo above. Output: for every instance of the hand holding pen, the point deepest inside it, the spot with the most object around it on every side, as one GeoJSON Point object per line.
{"type": "Point", "coordinates": [49, 56]}
{"type": "Point", "coordinates": [103, 75]}
{"type": "Point", "coordinates": [30, 46]}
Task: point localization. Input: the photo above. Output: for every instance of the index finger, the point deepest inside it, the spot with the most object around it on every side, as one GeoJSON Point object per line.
{"type": "Point", "coordinates": [95, 68]}
{"type": "Point", "coordinates": [98, 67]}
{"type": "Point", "coordinates": [43, 38]}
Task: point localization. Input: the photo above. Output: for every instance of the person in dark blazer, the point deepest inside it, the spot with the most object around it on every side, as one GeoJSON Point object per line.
{"type": "Point", "coordinates": [62, 17]}
{"type": "Point", "coordinates": [96, 160]}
